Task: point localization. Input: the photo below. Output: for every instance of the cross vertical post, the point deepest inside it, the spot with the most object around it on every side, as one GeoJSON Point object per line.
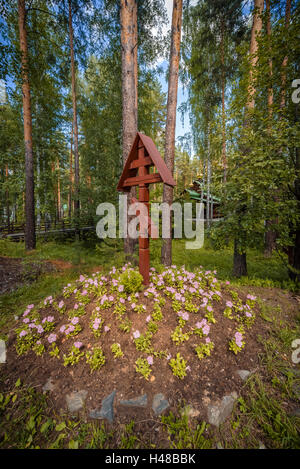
{"type": "Point", "coordinates": [144, 252]}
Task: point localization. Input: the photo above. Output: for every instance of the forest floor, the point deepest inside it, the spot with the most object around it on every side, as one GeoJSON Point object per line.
{"type": "Point", "coordinates": [214, 398]}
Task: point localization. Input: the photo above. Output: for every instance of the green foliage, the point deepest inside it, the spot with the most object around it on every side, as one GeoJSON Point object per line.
{"type": "Point", "coordinates": [143, 367]}
{"type": "Point", "coordinates": [132, 281]}
{"type": "Point", "coordinates": [73, 357]}
{"type": "Point", "coordinates": [54, 352]}
{"type": "Point", "coordinates": [204, 350]}
{"type": "Point", "coordinates": [143, 342]}
{"type": "Point", "coordinates": [116, 350]}
{"type": "Point", "coordinates": [157, 313]}
{"type": "Point", "coordinates": [96, 358]}
{"type": "Point", "coordinates": [178, 336]}
{"type": "Point", "coordinates": [178, 366]}
{"type": "Point", "coordinates": [125, 325]}
{"type": "Point", "coordinates": [182, 436]}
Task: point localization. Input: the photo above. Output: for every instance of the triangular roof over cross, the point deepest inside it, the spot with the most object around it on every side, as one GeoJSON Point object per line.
{"type": "Point", "coordinates": [151, 158]}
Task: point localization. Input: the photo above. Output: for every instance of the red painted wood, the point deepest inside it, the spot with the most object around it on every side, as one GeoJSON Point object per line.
{"type": "Point", "coordinates": [142, 155]}
{"type": "Point", "coordinates": [131, 168]}
{"type": "Point", "coordinates": [137, 180]}
{"type": "Point", "coordinates": [141, 162]}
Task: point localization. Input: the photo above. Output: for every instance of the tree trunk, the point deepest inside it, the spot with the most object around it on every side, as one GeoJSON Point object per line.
{"type": "Point", "coordinates": [223, 84]}
{"type": "Point", "coordinates": [7, 198]}
{"type": "Point", "coordinates": [128, 20]}
{"type": "Point", "coordinates": [256, 29]}
{"type": "Point", "coordinates": [285, 60]}
{"type": "Point", "coordinates": [75, 124]}
{"type": "Point", "coordinates": [30, 240]}
{"type": "Point", "coordinates": [239, 255]}
{"type": "Point", "coordinates": [270, 238]}
{"type": "Point", "coordinates": [166, 251]}
{"type": "Point", "coordinates": [58, 192]}
{"type": "Point", "coordinates": [71, 177]}
{"type": "Point", "coordinates": [239, 261]}
{"type": "Point", "coordinates": [208, 179]}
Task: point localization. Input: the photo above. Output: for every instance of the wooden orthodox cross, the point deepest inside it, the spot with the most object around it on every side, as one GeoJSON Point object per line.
{"type": "Point", "coordinates": [144, 166]}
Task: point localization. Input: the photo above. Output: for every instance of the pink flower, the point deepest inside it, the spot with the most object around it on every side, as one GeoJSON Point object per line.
{"type": "Point", "coordinates": [40, 329]}
{"type": "Point", "coordinates": [23, 333]}
{"type": "Point", "coordinates": [121, 288]}
{"type": "Point", "coordinates": [122, 300]}
{"type": "Point", "coordinates": [78, 344]}
{"type": "Point", "coordinates": [209, 308]}
{"type": "Point", "coordinates": [229, 304]}
{"type": "Point", "coordinates": [84, 292]}
{"type": "Point", "coordinates": [26, 320]}
{"type": "Point", "coordinates": [74, 320]}
{"type": "Point", "coordinates": [206, 329]}
{"type": "Point", "coordinates": [106, 328]}
{"type": "Point", "coordinates": [150, 360]}
{"type": "Point", "coordinates": [30, 306]}
{"type": "Point", "coordinates": [61, 304]}
{"type": "Point", "coordinates": [148, 318]}
{"type": "Point", "coordinates": [238, 339]}
{"type": "Point", "coordinates": [136, 334]}
{"type": "Point", "coordinates": [207, 340]}
{"type": "Point", "coordinates": [133, 305]}
{"type": "Point", "coordinates": [185, 316]}
{"type": "Point", "coordinates": [62, 329]}
{"type": "Point", "coordinates": [75, 306]}
{"type": "Point", "coordinates": [52, 338]}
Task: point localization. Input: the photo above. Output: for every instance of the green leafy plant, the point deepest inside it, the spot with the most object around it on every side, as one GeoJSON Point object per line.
{"type": "Point", "coordinates": [38, 348]}
{"type": "Point", "coordinates": [143, 342]}
{"type": "Point", "coordinates": [132, 281]}
{"type": "Point", "coordinates": [96, 358]}
{"type": "Point", "coordinates": [204, 350]}
{"type": "Point", "coordinates": [143, 367]}
{"type": "Point", "coordinates": [54, 352]}
{"type": "Point", "coordinates": [125, 325]}
{"type": "Point", "coordinates": [152, 327]}
{"type": "Point", "coordinates": [116, 350]}
{"type": "Point", "coordinates": [119, 310]}
{"type": "Point", "coordinates": [178, 366]}
{"type": "Point", "coordinates": [73, 357]}
{"type": "Point", "coordinates": [210, 317]}
{"type": "Point", "coordinates": [157, 313]}
{"type": "Point", "coordinates": [178, 336]}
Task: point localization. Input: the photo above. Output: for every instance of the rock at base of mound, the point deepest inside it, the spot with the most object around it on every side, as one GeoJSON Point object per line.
{"type": "Point", "coordinates": [75, 400]}
{"type": "Point", "coordinates": [218, 412]}
{"type": "Point", "coordinates": [107, 410]}
{"type": "Point", "coordinates": [140, 401]}
{"type": "Point", "coordinates": [160, 403]}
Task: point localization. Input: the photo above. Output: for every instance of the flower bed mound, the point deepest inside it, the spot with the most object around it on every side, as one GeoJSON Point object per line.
{"type": "Point", "coordinates": [185, 335]}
